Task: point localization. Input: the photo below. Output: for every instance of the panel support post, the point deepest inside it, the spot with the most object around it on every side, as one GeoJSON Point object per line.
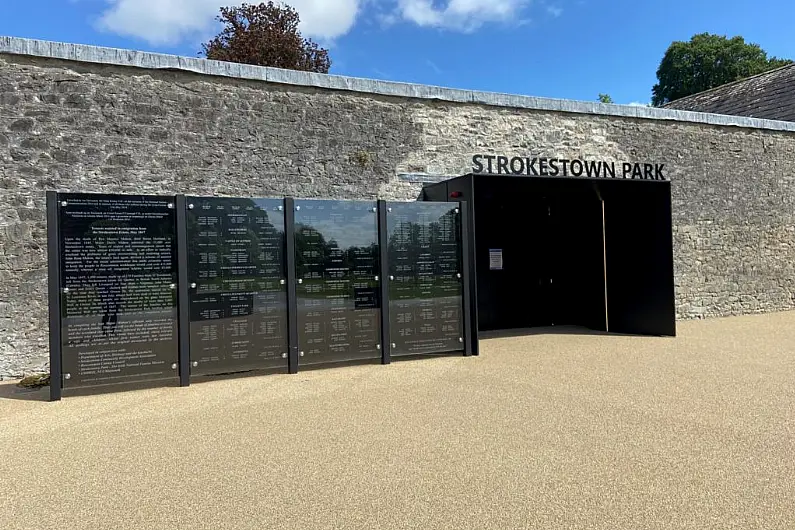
{"type": "Point", "coordinates": [383, 246]}
{"type": "Point", "coordinates": [55, 289]}
{"type": "Point", "coordinates": [183, 293]}
{"type": "Point", "coordinates": [470, 340]}
{"type": "Point", "coordinates": [292, 280]}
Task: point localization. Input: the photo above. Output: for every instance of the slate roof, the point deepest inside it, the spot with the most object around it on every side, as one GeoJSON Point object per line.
{"type": "Point", "coordinates": [770, 95]}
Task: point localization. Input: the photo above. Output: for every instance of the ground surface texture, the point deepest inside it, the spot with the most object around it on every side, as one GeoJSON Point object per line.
{"type": "Point", "coordinates": [566, 430]}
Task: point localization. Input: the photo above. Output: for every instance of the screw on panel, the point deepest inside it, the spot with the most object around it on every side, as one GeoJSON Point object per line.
{"type": "Point", "coordinates": [301, 354]}
{"type": "Point", "coordinates": [457, 210]}
{"type": "Point", "coordinates": [375, 210]}
{"type": "Point", "coordinates": [297, 208]}
{"type": "Point", "coordinates": [394, 345]}
{"type": "Point", "coordinates": [458, 275]}
{"type": "Point", "coordinates": [174, 366]}
{"type": "Point", "coordinates": [67, 376]}
{"type": "Point", "coordinates": [282, 282]}
{"type": "Point", "coordinates": [284, 356]}
{"type": "Point", "coordinates": [391, 277]}
{"type": "Point", "coordinates": [63, 203]}
{"type": "Point", "coordinates": [280, 208]}
{"type": "Point", "coordinates": [190, 206]}
{"type": "Point", "coordinates": [193, 286]}
{"type": "Point", "coordinates": [195, 364]}
{"type": "Point", "coordinates": [171, 206]}
{"type": "Point", "coordinates": [377, 346]}
{"type": "Point", "coordinates": [66, 289]}
{"type": "Point", "coordinates": [389, 209]}
{"type": "Point", "coordinates": [460, 339]}
{"type": "Point", "coordinates": [173, 286]}
{"type": "Point", "coordinates": [300, 280]}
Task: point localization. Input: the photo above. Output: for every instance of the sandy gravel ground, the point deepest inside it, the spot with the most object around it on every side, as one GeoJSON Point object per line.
{"type": "Point", "coordinates": [568, 431]}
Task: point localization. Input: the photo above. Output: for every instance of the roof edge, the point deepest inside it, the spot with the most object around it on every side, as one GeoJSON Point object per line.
{"type": "Point", "coordinates": [727, 85]}
{"type": "Point", "coordinates": [158, 61]}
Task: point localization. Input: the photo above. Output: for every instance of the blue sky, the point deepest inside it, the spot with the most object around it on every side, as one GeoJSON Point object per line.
{"type": "Point", "coordinates": [572, 49]}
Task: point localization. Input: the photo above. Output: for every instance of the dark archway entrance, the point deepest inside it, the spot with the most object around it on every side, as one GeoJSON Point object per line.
{"type": "Point", "coordinates": [595, 253]}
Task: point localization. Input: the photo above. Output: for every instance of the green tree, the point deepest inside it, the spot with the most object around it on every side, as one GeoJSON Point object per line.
{"type": "Point", "coordinates": [265, 34]}
{"type": "Point", "coordinates": [605, 98]}
{"type": "Point", "coordinates": [708, 61]}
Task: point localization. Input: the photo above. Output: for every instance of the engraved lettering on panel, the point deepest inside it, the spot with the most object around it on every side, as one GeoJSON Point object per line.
{"type": "Point", "coordinates": [337, 262]}
{"type": "Point", "coordinates": [426, 293]}
{"type": "Point", "coordinates": [238, 306]}
{"type": "Point", "coordinates": [118, 268]}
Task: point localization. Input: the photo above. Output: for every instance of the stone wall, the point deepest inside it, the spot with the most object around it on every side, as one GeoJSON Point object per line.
{"type": "Point", "coordinates": [101, 128]}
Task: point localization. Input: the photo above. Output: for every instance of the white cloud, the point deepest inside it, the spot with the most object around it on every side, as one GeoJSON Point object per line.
{"type": "Point", "coordinates": [171, 22]}
{"type": "Point", "coordinates": [165, 22]}
{"type": "Point", "coordinates": [637, 104]}
{"type": "Point", "coordinates": [465, 15]}
{"type": "Point", "coordinates": [554, 11]}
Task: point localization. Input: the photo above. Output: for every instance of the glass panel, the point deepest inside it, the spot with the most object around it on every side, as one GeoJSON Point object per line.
{"type": "Point", "coordinates": [119, 306]}
{"type": "Point", "coordinates": [425, 291]}
{"type": "Point", "coordinates": [339, 310]}
{"type": "Point", "coordinates": [238, 306]}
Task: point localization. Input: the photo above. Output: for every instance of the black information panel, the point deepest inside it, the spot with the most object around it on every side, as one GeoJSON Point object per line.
{"type": "Point", "coordinates": [339, 311]}
{"type": "Point", "coordinates": [238, 291]}
{"type": "Point", "coordinates": [425, 289]}
{"type": "Point", "coordinates": [119, 303]}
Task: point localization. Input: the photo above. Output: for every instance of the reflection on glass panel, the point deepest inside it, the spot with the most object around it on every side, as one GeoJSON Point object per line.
{"type": "Point", "coordinates": [339, 310]}
{"type": "Point", "coordinates": [118, 271]}
{"type": "Point", "coordinates": [425, 290]}
{"type": "Point", "coordinates": [238, 299]}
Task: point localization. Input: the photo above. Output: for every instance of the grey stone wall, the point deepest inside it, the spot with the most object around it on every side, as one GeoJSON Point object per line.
{"type": "Point", "coordinates": [101, 128]}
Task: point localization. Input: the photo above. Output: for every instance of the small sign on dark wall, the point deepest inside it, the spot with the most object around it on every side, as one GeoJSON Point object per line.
{"type": "Point", "coordinates": [495, 259]}
{"type": "Point", "coordinates": [564, 167]}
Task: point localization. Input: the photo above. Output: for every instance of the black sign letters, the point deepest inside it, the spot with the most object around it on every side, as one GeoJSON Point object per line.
{"type": "Point", "coordinates": [564, 167]}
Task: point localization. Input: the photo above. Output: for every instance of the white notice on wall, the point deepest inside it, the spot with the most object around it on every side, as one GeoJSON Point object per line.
{"type": "Point", "coordinates": [495, 259]}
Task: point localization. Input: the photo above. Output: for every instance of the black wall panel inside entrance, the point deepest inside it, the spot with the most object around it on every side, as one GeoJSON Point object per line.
{"type": "Point", "coordinates": [539, 253]}
{"type": "Point", "coordinates": [595, 253]}
{"type": "Point", "coordinates": [639, 253]}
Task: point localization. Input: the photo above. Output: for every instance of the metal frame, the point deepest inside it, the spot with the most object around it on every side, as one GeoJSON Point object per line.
{"type": "Point", "coordinates": [470, 341]}
{"type": "Point", "coordinates": [383, 247]}
{"type": "Point", "coordinates": [292, 282]}
{"type": "Point", "coordinates": [54, 290]}
{"type": "Point", "coordinates": [183, 293]}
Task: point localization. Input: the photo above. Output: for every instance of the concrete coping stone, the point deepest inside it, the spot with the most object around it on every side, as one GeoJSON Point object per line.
{"type": "Point", "coordinates": [158, 61]}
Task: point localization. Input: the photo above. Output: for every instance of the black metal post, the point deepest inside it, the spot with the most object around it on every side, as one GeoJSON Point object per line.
{"type": "Point", "coordinates": [470, 341]}
{"type": "Point", "coordinates": [292, 281]}
{"type": "Point", "coordinates": [383, 245]}
{"type": "Point", "coordinates": [183, 291]}
{"type": "Point", "coordinates": [54, 294]}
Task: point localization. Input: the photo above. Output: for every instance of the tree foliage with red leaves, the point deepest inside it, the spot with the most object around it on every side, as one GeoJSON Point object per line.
{"type": "Point", "coordinates": [265, 34]}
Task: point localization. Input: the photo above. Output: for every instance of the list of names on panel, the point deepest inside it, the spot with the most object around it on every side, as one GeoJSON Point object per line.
{"type": "Point", "coordinates": [426, 291]}
{"type": "Point", "coordinates": [238, 301]}
{"type": "Point", "coordinates": [337, 263]}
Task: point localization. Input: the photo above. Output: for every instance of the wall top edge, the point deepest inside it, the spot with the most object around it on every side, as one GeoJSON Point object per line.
{"type": "Point", "coordinates": [158, 61]}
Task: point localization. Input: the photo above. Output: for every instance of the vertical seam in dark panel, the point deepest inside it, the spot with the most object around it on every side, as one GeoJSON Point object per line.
{"type": "Point", "coordinates": [473, 266]}
{"type": "Point", "coordinates": [383, 243]}
{"type": "Point", "coordinates": [292, 293]}
{"type": "Point", "coordinates": [183, 298]}
{"type": "Point", "coordinates": [54, 287]}
{"type": "Point", "coordinates": [466, 273]}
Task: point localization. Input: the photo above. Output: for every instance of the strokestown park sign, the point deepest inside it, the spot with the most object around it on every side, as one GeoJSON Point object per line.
{"type": "Point", "coordinates": [564, 167]}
